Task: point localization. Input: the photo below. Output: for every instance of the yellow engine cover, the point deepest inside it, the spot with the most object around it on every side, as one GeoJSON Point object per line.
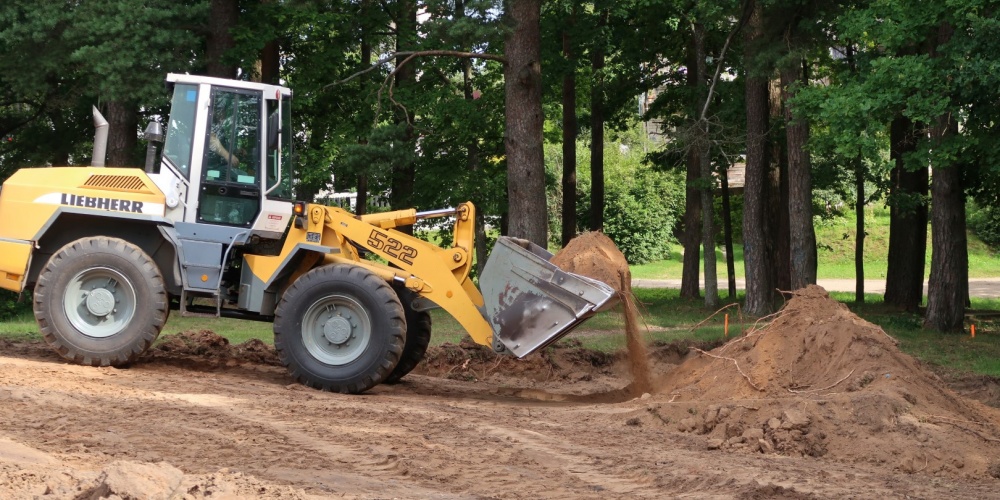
{"type": "Point", "coordinates": [31, 197]}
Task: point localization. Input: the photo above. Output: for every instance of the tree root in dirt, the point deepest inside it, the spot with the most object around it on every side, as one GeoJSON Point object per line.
{"type": "Point", "coordinates": [835, 384]}
{"type": "Point", "coordinates": [955, 423]}
{"type": "Point", "coordinates": [747, 377]}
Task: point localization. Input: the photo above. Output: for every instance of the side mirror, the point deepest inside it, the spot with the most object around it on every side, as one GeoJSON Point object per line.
{"type": "Point", "coordinates": [273, 127]}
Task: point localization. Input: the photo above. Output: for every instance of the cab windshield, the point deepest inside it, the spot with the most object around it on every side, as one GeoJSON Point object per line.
{"type": "Point", "coordinates": [180, 128]}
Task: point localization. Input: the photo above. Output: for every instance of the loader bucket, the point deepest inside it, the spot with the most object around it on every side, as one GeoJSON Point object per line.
{"type": "Point", "coordinates": [530, 302]}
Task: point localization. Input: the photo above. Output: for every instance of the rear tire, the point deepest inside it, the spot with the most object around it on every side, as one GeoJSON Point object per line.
{"type": "Point", "coordinates": [418, 337]}
{"type": "Point", "coordinates": [339, 328]}
{"type": "Point", "coordinates": [100, 301]}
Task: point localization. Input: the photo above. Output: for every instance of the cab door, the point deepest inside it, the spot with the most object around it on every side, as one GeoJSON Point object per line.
{"type": "Point", "coordinates": [229, 192]}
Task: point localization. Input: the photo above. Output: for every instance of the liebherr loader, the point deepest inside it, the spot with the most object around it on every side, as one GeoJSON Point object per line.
{"type": "Point", "coordinates": [211, 228]}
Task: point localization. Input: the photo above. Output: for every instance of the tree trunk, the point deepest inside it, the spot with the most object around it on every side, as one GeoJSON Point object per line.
{"type": "Point", "coordinates": [523, 138]}
{"type": "Point", "coordinates": [270, 63]}
{"type": "Point", "coordinates": [776, 228]}
{"type": "Point", "coordinates": [859, 209]}
{"type": "Point", "coordinates": [404, 170]}
{"type": "Point", "coordinates": [569, 137]}
{"type": "Point", "coordinates": [758, 275]}
{"type": "Point", "coordinates": [691, 238]}
{"type": "Point", "coordinates": [691, 271]}
{"type": "Point", "coordinates": [802, 235]}
{"type": "Point", "coordinates": [859, 230]}
{"type": "Point", "coordinates": [904, 280]}
{"type": "Point", "coordinates": [122, 133]}
{"type": "Point", "coordinates": [361, 202]}
{"type": "Point", "coordinates": [727, 224]}
{"type": "Point", "coordinates": [472, 160]}
{"type": "Point", "coordinates": [703, 147]}
{"type": "Point", "coordinates": [597, 132]}
{"type": "Point", "coordinates": [948, 287]}
{"type": "Point", "coordinates": [223, 15]}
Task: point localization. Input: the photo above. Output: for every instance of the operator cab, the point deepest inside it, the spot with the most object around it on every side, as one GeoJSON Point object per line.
{"type": "Point", "coordinates": [226, 159]}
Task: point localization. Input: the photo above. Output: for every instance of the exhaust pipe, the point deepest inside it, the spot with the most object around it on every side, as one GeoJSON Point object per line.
{"type": "Point", "coordinates": [100, 139]}
{"type": "Point", "coordinates": [154, 137]}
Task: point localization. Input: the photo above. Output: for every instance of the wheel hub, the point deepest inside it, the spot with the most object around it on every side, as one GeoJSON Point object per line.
{"type": "Point", "coordinates": [100, 302]}
{"type": "Point", "coordinates": [337, 330]}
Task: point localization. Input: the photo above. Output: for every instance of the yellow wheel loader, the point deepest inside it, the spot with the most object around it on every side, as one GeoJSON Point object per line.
{"type": "Point", "coordinates": [212, 229]}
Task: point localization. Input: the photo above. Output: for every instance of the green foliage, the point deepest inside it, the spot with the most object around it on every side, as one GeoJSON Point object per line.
{"type": "Point", "coordinates": [11, 307]}
{"type": "Point", "coordinates": [736, 215]}
{"type": "Point", "coordinates": [642, 205]}
{"type": "Point", "coordinates": [984, 222]}
{"type": "Point", "coordinates": [639, 216]}
{"type": "Point", "coordinates": [58, 59]}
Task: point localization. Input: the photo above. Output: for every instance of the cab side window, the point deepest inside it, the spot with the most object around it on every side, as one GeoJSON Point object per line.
{"type": "Point", "coordinates": [279, 149]}
{"type": "Point", "coordinates": [230, 189]}
{"type": "Point", "coordinates": [231, 153]}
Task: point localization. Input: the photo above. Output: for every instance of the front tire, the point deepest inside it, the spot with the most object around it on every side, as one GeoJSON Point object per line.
{"type": "Point", "coordinates": [418, 337]}
{"type": "Point", "coordinates": [339, 328]}
{"type": "Point", "coordinates": [100, 301]}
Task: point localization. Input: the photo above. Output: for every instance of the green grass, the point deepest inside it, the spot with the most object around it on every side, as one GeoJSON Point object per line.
{"type": "Point", "coordinates": [835, 241]}
{"type": "Point", "coordinates": [22, 327]}
{"type": "Point", "coordinates": [236, 330]}
{"type": "Point", "coordinates": [670, 318]}
{"type": "Point", "coordinates": [956, 351]}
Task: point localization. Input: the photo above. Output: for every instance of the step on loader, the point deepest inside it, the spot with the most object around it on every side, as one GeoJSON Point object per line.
{"type": "Point", "coordinates": [210, 228]}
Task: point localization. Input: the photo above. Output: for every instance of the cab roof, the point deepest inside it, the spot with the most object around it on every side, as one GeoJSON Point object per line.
{"type": "Point", "coordinates": [268, 90]}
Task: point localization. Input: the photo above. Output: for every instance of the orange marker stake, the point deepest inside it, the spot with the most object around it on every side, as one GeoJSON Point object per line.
{"type": "Point", "coordinates": [727, 327]}
{"type": "Point", "coordinates": [972, 328]}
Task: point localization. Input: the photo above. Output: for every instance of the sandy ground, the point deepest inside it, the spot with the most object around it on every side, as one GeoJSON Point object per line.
{"type": "Point", "coordinates": [198, 418]}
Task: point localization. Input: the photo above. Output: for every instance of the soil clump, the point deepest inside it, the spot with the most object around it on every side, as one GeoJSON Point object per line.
{"type": "Point", "coordinates": [594, 255]}
{"type": "Point", "coordinates": [212, 348]}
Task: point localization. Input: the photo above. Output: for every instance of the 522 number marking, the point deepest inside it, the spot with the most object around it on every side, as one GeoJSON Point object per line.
{"type": "Point", "coordinates": [391, 246]}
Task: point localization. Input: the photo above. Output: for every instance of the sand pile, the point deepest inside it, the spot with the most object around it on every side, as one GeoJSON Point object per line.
{"type": "Point", "coordinates": [594, 255]}
{"type": "Point", "coordinates": [818, 380]}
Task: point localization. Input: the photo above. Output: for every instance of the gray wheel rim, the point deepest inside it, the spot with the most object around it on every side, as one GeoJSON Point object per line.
{"type": "Point", "coordinates": [336, 329]}
{"type": "Point", "coordinates": [99, 302]}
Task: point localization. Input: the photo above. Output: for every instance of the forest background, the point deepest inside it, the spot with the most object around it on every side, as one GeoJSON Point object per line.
{"type": "Point", "coordinates": [562, 116]}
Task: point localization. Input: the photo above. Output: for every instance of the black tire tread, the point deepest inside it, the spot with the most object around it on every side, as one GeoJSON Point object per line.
{"type": "Point", "coordinates": [58, 263]}
{"type": "Point", "coordinates": [285, 334]}
{"type": "Point", "coordinates": [418, 338]}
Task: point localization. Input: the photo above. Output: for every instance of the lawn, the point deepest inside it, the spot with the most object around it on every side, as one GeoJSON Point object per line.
{"type": "Point", "coordinates": [670, 318]}
{"type": "Point", "coordinates": [835, 240]}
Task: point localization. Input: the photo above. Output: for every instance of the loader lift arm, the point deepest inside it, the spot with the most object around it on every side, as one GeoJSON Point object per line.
{"type": "Point", "coordinates": [440, 275]}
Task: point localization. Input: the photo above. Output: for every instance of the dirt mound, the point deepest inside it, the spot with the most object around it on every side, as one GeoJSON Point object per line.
{"type": "Point", "coordinates": [206, 345]}
{"type": "Point", "coordinates": [820, 381]}
{"type": "Point", "coordinates": [594, 255]}
{"type": "Point", "coordinates": [814, 344]}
